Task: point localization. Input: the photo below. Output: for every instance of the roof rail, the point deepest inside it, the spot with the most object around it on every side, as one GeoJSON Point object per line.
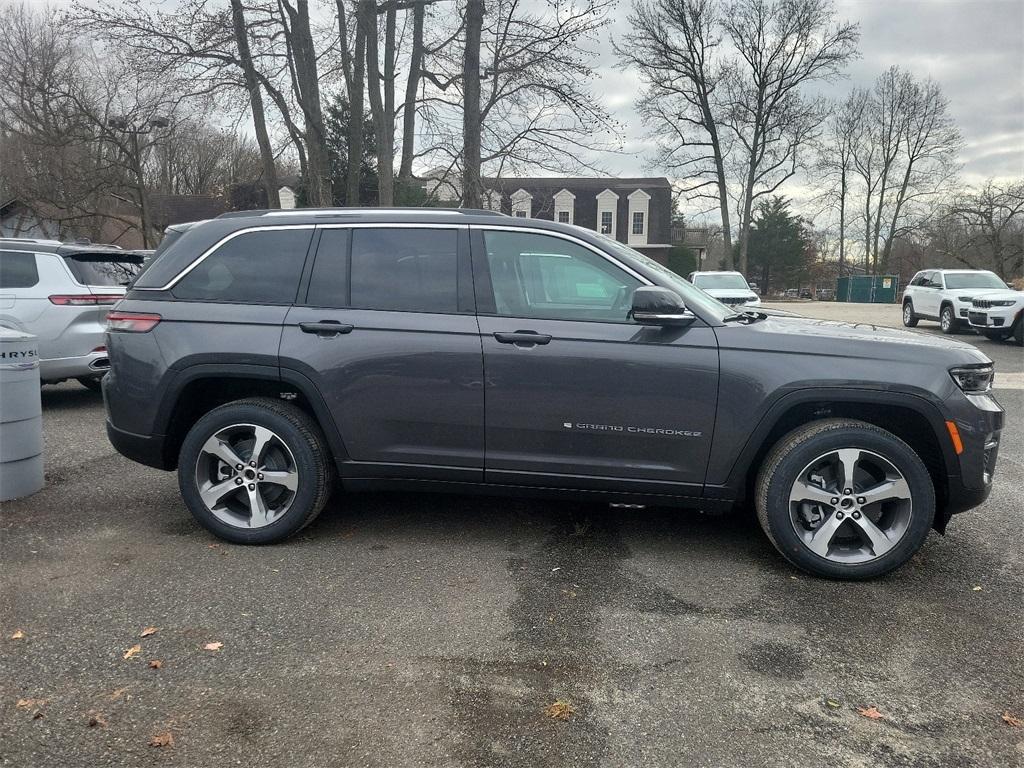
{"type": "Point", "coordinates": [34, 240]}
{"type": "Point", "coordinates": [413, 211]}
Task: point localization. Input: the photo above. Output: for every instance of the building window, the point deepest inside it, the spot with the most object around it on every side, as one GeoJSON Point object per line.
{"type": "Point", "coordinates": [606, 222]}
{"type": "Point", "coordinates": [563, 217]}
{"type": "Point", "coordinates": [520, 214]}
{"type": "Point", "coordinates": [638, 222]}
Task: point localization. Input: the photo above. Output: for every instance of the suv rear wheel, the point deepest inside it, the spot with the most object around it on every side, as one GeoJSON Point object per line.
{"type": "Point", "coordinates": [845, 499]}
{"type": "Point", "coordinates": [909, 318]}
{"type": "Point", "coordinates": [255, 471]}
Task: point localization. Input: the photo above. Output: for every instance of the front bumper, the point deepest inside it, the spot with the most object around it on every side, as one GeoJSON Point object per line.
{"type": "Point", "coordinates": [979, 422]}
{"type": "Point", "coordinates": [993, 319]}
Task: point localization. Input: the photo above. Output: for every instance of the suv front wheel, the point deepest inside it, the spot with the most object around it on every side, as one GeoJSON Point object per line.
{"type": "Point", "coordinates": [909, 318]}
{"type": "Point", "coordinates": [947, 320]}
{"type": "Point", "coordinates": [845, 499]}
{"type": "Point", "coordinates": [255, 471]}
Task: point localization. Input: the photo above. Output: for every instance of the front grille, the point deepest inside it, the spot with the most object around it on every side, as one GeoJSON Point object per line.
{"type": "Point", "coordinates": [982, 303]}
{"type": "Point", "coordinates": [732, 301]}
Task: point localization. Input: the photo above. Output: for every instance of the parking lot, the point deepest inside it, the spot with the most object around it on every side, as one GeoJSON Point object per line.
{"type": "Point", "coordinates": [437, 631]}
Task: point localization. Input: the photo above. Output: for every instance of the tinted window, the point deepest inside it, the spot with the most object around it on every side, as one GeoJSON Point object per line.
{"type": "Point", "coordinates": [116, 269]}
{"type": "Point", "coordinates": [328, 285]}
{"type": "Point", "coordinates": [413, 270]}
{"type": "Point", "coordinates": [18, 270]}
{"type": "Point", "coordinates": [973, 280]}
{"type": "Point", "coordinates": [255, 268]}
{"type": "Point", "coordinates": [547, 277]}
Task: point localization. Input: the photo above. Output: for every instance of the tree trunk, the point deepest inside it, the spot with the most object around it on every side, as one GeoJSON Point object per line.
{"type": "Point", "coordinates": [353, 173]}
{"type": "Point", "coordinates": [385, 154]}
{"type": "Point", "coordinates": [411, 86]}
{"type": "Point", "coordinates": [842, 221]}
{"type": "Point", "coordinates": [259, 118]}
{"type": "Point", "coordinates": [472, 186]}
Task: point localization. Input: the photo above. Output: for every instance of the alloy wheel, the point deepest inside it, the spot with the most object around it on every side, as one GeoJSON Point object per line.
{"type": "Point", "coordinates": [246, 476]}
{"type": "Point", "coordinates": [850, 506]}
{"type": "Point", "coordinates": [946, 321]}
{"type": "Point", "coordinates": [908, 314]}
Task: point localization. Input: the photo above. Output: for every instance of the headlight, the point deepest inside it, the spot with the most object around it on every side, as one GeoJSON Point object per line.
{"type": "Point", "coordinates": [1004, 303]}
{"type": "Point", "coordinates": [975, 380]}
{"type": "Point", "coordinates": [964, 298]}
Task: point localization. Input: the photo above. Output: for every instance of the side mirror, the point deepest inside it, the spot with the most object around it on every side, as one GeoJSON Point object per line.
{"type": "Point", "coordinates": [653, 305]}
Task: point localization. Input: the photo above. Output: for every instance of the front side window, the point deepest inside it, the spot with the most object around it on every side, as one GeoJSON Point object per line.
{"type": "Point", "coordinates": [638, 222]}
{"type": "Point", "coordinates": [261, 267]}
{"type": "Point", "coordinates": [18, 269]}
{"type": "Point", "coordinates": [402, 269]}
{"type": "Point", "coordinates": [547, 277]}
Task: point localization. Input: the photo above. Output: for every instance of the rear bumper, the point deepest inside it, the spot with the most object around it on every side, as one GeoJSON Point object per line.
{"type": "Point", "coordinates": [55, 369]}
{"type": "Point", "coordinates": [145, 449]}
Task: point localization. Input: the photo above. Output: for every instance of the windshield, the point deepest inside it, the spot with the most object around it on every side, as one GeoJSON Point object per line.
{"type": "Point", "coordinates": [708, 280]}
{"type": "Point", "coordinates": [692, 295]}
{"type": "Point", "coordinates": [973, 280]}
{"type": "Point", "coordinates": [115, 269]}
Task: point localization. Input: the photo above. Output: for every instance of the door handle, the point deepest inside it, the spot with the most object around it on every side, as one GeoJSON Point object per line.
{"type": "Point", "coordinates": [523, 338]}
{"type": "Point", "coordinates": [325, 328]}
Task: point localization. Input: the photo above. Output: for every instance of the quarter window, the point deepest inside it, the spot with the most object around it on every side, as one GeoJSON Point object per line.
{"type": "Point", "coordinates": [253, 268]}
{"type": "Point", "coordinates": [328, 285]}
{"type": "Point", "coordinates": [412, 270]}
{"type": "Point", "coordinates": [539, 276]}
{"type": "Point", "coordinates": [18, 270]}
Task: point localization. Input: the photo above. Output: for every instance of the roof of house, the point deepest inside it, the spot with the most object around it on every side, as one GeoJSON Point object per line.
{"type": "Point", "coordinates": [596, 185]}
{"type": "Point", "coordinates": [174, 209]}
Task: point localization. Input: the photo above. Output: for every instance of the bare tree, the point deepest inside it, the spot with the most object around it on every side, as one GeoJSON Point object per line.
{"type": "Point", "coordinates": [412, 83]}
{"type": "Point", "coordinates": [472, 187]}
{"type": "Point", "coordinates": [984, 228]}
{"type": "Point", "coordinates": [674, 45]}
{"type": "Point", "coordinates": [782, 45]}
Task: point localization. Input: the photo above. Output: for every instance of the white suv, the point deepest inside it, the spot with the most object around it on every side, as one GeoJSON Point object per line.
{"type": "Point", "coordinates": [728, 287]}
{"type": "Point", "coordinates": [999, 315]}
{"type": "Point", "coordinates": [945, 295]}
{"type": "Point", "coordinates": [61, 294]}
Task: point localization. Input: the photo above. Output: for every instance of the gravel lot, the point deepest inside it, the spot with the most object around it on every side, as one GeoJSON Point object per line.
{"type": "Point", "coordinates": [434, 631]}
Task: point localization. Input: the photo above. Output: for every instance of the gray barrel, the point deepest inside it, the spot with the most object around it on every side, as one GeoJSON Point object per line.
{"type": "Point", "coordinates": [21, 416]}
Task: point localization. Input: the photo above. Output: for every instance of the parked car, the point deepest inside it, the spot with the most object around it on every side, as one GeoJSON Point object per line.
{"type": "Point", "coordinates": [61, 294]}
{"type": "Point", "coordinates": [999, 315]}
{"type": "Point", "coordinates": [272, 356]}
{"type": "Point", "coordinates": [945, 295]}
{"type": "Point", "coordinates": [730, 288]}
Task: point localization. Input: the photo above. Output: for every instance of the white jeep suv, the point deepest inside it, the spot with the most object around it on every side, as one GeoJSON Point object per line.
{"type": "Point", "coordinates": [728, 287]}
{"type": "Point", "coordinates": [999, 315]}
{"type": "Point", "coordinates": [945, 295]}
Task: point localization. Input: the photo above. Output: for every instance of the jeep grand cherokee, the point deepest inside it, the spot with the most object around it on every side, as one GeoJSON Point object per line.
{"type": "Point", "coordinates": [270, 356]}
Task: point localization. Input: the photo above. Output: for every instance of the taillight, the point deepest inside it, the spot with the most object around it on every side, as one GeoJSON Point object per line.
{"type": "Point", "coordinates": [85, 299]}
{"type": "Point", "coordinates": [132, 322]}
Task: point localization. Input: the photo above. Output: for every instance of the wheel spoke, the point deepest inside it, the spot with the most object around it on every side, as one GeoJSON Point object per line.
{"type": "Point", "coordinates": [822, 536]}
{"type": "Point", "coordinates": [892, 488]}
{"type": "Point", "coordinates": [213, 493]}
{"type": "Point", "coordinates": [263, 437]}
{"type": "Point", "coordinates": [288, 478]}
{"type": "Point", "coordinates": [804, 491]}
{"type": "Point", "coordinates": [259, 514]}
{"type": "Point", "coordinates": [880, 543]}
{"type": "Point", "coordinates": [219, 448]}
{"type": "Point", "coordinates": [848, 457]}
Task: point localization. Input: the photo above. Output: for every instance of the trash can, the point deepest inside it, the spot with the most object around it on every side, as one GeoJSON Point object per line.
{"type": "Point", "coordinates": [21, 416]}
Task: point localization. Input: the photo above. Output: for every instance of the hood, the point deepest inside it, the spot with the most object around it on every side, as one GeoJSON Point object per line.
{"type": "Point", "coordinates": [973, 292]}
{"type": "Point", "coordinates": [1002, 295]}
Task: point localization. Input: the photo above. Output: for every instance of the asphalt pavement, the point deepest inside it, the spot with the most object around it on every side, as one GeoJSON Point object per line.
{"type": "Point", "coordinates": [404, 630]}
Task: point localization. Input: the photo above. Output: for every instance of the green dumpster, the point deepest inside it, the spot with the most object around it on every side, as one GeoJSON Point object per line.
{"type": "Point", "coordinates": [868, 289]}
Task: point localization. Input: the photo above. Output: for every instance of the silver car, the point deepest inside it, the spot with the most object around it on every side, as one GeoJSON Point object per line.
{"type": "Point", "coordinates": [61, 294]}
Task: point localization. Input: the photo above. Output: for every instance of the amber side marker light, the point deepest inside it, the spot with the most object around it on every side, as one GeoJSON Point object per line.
{"type": "Point", "coordinates": [954, 435]}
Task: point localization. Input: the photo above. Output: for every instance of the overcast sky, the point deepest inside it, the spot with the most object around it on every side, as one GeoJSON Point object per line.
{"type": "Point", "coordinates": [973, 48]}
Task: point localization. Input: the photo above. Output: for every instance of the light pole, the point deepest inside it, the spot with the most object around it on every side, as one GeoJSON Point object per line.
{"type": "Point", "coordinates": [133, 130]}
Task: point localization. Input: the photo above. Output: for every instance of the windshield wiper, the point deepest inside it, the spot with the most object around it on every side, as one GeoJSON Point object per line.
{"type": "Point", "coordinates": [747, 317]}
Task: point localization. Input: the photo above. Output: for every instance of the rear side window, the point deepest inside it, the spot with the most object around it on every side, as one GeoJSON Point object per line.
{"type": "Point", "coordinates": [18, 270]}
{"type": "Point", "coordinates": [253, 268]}
{"type": "Point", "coordinates": [411, 270]}
{"type": "Point", "coordinates": [116, 269]}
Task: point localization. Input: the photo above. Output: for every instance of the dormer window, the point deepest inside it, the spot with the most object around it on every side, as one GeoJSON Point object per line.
{"type": "Point", "coordinates": [565, 207]}
{"type": "Point", "coordinates": [522, 204]}
{"type": "Point", "coordinates": [639, 209]}
{"type": "Point", "coordinates": [607, 210]}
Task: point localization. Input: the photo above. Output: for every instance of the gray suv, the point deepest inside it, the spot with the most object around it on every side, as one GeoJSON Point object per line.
{"type": "Point", "coordinates": [273, 356]}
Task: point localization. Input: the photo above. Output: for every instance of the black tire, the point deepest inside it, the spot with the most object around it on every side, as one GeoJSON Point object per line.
{"type": "Point", "coordinates": [302, 437]}
{"type": "Point", "coordinates": [909, 318]}
{"type": "Point", "coordinates": [92, 383]}
{"type": "Point", "coordinates": [1018, 331]}
{"type": "Point", "coordinates": [948, 321]}
{"type": "Point", "coordinates": [795, 451]}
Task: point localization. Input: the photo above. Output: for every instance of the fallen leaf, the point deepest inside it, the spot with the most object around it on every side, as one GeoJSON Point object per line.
{"type": "Point", "coordinates": [135, 650]}
{"type": "Point", "coordinates": [148, 631]}
{"type": "Point", "coordinates": [1009, 719]}
{"type": "Point", "coordinates": [18, 635]}
{"type": "Point", "coordinates": [560, 710]}
{"type": "Point", "coordinates": [155, 664]}
{"type": "Point", "coordinates": [164, 739]}
{"type": "Point", "coordinates": [213, 546]}
{"type": "Point", "coordinates": [213, 646]}
{"type": "Point", "coordinates": [96, 719]}
{"type": "Point", "coordinates": [871, 713]}
{"type": "Point", "coordinates": [29, 703]}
